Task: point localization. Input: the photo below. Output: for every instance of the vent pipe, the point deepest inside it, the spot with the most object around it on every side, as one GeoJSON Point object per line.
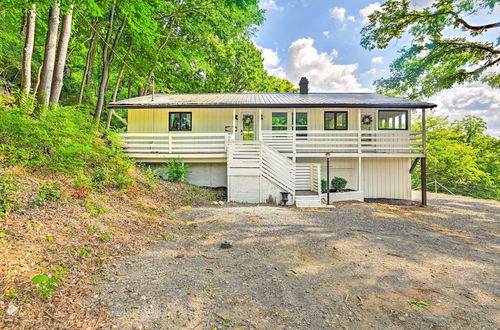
{"type": "Point", "coordinates": [304, 85]}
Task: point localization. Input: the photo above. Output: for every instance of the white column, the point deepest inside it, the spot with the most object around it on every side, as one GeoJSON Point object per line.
{"type": "Point", "coordinates": [360, 175]}
{"type": "Point", "coordinates": [294, 136]}
{"type": "Point", "coordinates": [260, 124]}
{"type": "Point", "coordinates": [234, 124]}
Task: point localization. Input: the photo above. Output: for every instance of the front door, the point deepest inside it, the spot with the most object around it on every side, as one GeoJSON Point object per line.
{"type": "Point", "coordinates": [367, 123]}
{"type": "Point", "coordinates": [247, 125]}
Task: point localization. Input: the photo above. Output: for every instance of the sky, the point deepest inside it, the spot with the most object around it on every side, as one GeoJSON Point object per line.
{"type": "Point", "coordinates": [320, 39]}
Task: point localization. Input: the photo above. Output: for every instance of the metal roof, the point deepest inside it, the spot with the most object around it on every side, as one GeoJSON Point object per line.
{"type": "Point", "coordinates": [269, 100]}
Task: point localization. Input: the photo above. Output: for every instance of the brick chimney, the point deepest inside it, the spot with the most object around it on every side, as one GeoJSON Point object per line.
{"type": "Point", "coordinates": [304, 85]}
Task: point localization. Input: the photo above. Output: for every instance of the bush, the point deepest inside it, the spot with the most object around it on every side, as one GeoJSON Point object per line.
{"type": "Point", "coordinates": [324, 186]}
{"type": "Point", "coordinates": [63, 140]}
{"type": "Point", "coordinates": [176, 170]}
{"type": "Point", "coordinates": [338, 183]}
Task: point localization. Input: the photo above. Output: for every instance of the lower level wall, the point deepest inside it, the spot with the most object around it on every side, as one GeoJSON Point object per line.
{"type": "Point", "coordinates": [253, 189]}
{"type": "Point", "coordinates": [381, 177]}
{"type": "Point", "coordinates": [207, 175]}
{"type": "Point", "coordinates": [386, 178]}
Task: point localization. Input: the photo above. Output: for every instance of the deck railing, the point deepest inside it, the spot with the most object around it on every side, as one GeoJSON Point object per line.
{"type": "Point", "coordinates": [350, 141]}
{"type": "Point", "coordinates": [287, 142]}
{"type": "Point", "coordinates": [174, 143]}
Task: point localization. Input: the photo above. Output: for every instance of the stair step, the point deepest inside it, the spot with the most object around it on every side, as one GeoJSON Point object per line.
{"type": "Point", "coordinates": [308, 201]}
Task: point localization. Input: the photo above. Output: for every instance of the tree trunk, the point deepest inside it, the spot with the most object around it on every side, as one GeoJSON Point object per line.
{"type": "Point", "coordinates": [107, 58]}
{"type": "Point", "coordinates": [38, 75]}
{"type": "Point", "coordinates": [62, 51]}
{"type": "Point", "coordinates": [118, 81]}
{"type": "Point", "coordinates": [87, 73]}
{"type": "Point", "coordinates": [129, 87]}
{"type": "Point", "coordinates": [49, 56]}
{"type": "Point", "coordinates": [28, 51]}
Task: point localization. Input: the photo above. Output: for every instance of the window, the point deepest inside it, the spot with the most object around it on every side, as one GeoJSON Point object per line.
{"type": "Point", "coordinates": [393, 119]}
{"type": "Point", "coordinates": [335, 120]}
{"type": "Point", "coordinates": [180, 121]}
{"type": "Point", "coordinates": [279, 121]}
{"type": "Point", "coordinates": [301, 122]}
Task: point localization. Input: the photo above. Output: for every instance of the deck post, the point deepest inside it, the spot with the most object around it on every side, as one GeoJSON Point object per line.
{"type": "Point", "coordinates": [423, 180]}
{"type": "Point", "coordinates": [360, 173]}
{"type": "Point", "coordinates": [294, 135]}
{"type": "Point", "coordinates": [234, 124]}
{"type": "Point", "coordinates": [423, 162]}
{"type": "Point", "coordinates": [260, 124]}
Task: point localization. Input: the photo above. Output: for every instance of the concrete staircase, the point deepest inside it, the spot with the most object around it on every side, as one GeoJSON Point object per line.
{"type": "Point", "coordinates": [308, 200]}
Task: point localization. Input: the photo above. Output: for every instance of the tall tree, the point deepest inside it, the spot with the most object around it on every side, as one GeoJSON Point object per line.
{"type": "Point", "coordinates": [28, 50]}
{"type": "Point", "coordinates": [446, 49]}
{"type": "Point", "coordinates": [108, 53]}
{"type": "Point", "coordinates": [62, 50]}
{"type": "Point", "coordinates": [49, 55]}
{"type": "Point", "coordinates": [89, 60]}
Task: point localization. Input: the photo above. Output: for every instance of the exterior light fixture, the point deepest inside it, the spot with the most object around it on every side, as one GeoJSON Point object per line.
{"type": "Point", "coordinates": [236, 117]}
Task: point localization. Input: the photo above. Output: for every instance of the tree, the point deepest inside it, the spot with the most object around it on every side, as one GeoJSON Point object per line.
{"type": "Point", "coordinates": [445, 48]}
{"type": "Point", "coordinates": [28, 50]}
{"type": "Point", "coordinates": [62, 51]}
{"type": "Point", "coordinates": [49, 55]}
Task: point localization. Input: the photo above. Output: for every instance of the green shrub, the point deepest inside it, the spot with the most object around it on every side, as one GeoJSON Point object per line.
{"type": "Point", "coordinates": [48, 193]}
{"type": "Point", "coordinates": [8, 189]}
{"type": "Point", "coordinates": [338, 183]}
{"type": "Point", "coordinates": [176, 170]}
{"type": "Point", "coordinates": [324, 186]}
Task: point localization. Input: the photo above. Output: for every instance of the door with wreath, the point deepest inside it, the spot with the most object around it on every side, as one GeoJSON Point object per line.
{"type": "Point", "coordinates": [367, 123]}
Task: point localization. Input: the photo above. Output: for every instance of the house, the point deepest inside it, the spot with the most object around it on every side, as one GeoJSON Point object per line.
{"type": "Point", "coordinates": [259, 145]}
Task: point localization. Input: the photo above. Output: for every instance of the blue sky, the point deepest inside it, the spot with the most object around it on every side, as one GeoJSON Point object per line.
{"type": "Point", "coordinates": [320, 39]}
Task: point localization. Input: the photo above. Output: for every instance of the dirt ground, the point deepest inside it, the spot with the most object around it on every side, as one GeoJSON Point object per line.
{"type": "Point", "coordinates": [355, 266]}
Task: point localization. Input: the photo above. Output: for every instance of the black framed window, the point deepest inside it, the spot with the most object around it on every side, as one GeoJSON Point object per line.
{"type": "Point", "coordinates": [335, 120]}
{"type": "Point", "coordinates": [180, 121]}
{"type": "Point", "coordinates": [279, 121]}
{"type": "Point", "coordinates": [301, 122]}
{"type": "Point", "coordinates": [393, 119]}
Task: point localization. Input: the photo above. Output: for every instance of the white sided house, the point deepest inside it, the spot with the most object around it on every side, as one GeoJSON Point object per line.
{"type": "Point", "coordinates": [259, 145]}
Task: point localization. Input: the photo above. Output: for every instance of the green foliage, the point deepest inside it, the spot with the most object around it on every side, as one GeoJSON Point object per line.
{"type": "Point", "coordinates": [418, 303]}
{"type": "Point", "coordinates": [338, 183]}
{"type": "Point", "coordinates": [151, 177]}
{"type": "Point", "coordinates": [46, 284]}
{"type": "Point", "coordinates": [65, 140]}
{"type": "Point", "coordinates": [176, 170]}
{"type": "Point", "coordinates": [46, 193]}
{"type": "Point", "coordinates": [445, 49]}
{"type": "Point", "coordinates": [8, 189]}
{"type": "Point", "coordinates": [324, 186]}
{"type": "Point", "coordinates": [461, 157]}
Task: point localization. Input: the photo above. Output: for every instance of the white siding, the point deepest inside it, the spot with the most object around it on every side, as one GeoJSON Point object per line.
{"type": "Point", "coordinates": [207, 175]}
{"type": "Point", "coordinates": [386, 178]}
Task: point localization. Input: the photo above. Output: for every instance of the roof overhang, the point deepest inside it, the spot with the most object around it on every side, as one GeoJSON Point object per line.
{"type": "Point", "coordinates": [273, 106]}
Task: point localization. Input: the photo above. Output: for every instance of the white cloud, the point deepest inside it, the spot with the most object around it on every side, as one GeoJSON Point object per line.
{"type": "Point", "coordinates": [351, 18]}
{"type": "Point", "coordinates": [326, 34]}
{"type": "Point", "coordinates": [370, 72]}
{"type": "Point", "coordinates": [270, 5]}
{"type": "Point", "coordinates": [272, 62]}
{"type": "Point", "coordinates": [368, 10]}
{"type": "Point", "coordinates": [378, 59]}
{"type": "Point", "coordinates": [304, 60]}
{"type": "Point", "coordinates": [474, 99]}
{"type": "Point", "coordinates": [338, 13]}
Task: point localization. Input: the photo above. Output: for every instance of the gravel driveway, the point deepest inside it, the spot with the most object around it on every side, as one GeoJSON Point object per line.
{"type": "Point", "coordinates": [356, 266]}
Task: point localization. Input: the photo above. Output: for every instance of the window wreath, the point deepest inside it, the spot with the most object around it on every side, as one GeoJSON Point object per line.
{"type": "Point", "coordinates": [367, 119]}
